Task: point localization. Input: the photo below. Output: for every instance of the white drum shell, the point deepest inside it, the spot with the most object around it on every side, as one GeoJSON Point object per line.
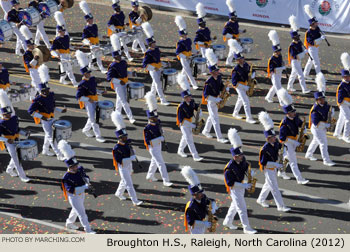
{"type": "Point", "coordinates": [6, 29]}
{"type": "Point", "coordinates": [34, 15]}
{"type": "Point", "coordinates": [63, 130]}
{"type": "Point", "coordinates": [136, 90]}
{"type": "Point", "coordinates": [219, 51]}
{"type": "Point", "coordinates": [170, 74]}
{"type": "Point", "coordinates": [52, 6]}
{"type": "Point", "coordinates": [28, 150]}
{"type": "Point", "coordinates": [106, 109]}
{"type": "Point", "coordinates": [247, 44]}
{"type": "Point", "coordinates": [14, 96]}
{"type": "Point", "coordinates": [201, 64]}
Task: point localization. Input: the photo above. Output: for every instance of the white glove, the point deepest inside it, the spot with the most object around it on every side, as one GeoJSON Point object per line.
{"type": "Point", "coordinates": [323, 37]}
{"type": "Point", "coordinates": [252, 173]}
{"type": "Point", "coordinates": [55, 54]}
{"type": "Point", "coordinates": [33, 62]}
{"type": "Point", "coordinates": [3, 139]}
{"type": "Point", "coordinates": [37, 115]}
{"type": "Point", "coordinates": [218, 99]}
{"type": "Point", "coordinates": [243, 185]}
{"type": "Point", "coordinates": [332, 113]}
{"type": "Point", "coordinates": [193, 126]}
{"type": "Point", "coordinates": [200, 113]}
{"type": "Point", "coordinates": [139, 20]}
{"type": "Point", "coordinates": [228, 36]}
{"type": "Point", "coordinates": [84, 99]}
{"type": "Point", "coordinates": [253, 75]}
{"type": "Point", "coordinates": [227, 89]}
{"type": "Point", "coordinates": [213, 207]}
{"type": "Point", "coordinates": [305, 131]}
{"type": "Point", "coordinates": [327, 125]}
{"type": "Point", "coordinates": [80, 189]}
{"type": "Point", "coordinates": [318, 41]}
{"type": "Point", "coordinates": [115, 81]}
{"type": "Point", "coordinates": [150, 67]}
{"type": "Point", "coordinates": [112, 28]}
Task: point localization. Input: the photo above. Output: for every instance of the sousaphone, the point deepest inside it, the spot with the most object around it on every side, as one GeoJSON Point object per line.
{"type": "Point", "coordinates": [145, 13]}
{"type": "Point", "coordinates": [43, 52]}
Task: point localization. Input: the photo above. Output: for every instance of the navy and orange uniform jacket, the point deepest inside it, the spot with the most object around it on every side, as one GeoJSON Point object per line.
{"type": "Point", "coordinates": [234, 172]}
{"type": "Point", "coordinates": [290, 128]}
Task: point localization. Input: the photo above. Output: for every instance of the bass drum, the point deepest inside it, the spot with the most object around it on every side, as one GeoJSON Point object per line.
{"type": "Point", "coordinates": [6, 31]}
{"type": "Point", "coordinates": [29, 16]}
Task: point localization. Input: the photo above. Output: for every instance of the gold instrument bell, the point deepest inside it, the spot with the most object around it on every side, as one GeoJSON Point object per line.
{"type": "Point", "coordinates": [43, 52]}
{"type": "Point", "coordinates": [145, 13]}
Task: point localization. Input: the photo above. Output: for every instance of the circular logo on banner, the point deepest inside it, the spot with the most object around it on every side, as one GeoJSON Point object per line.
{"type": "Point", "coordinates": [262, 3]}
{"type": "Point", "coordinates": [325, 8]}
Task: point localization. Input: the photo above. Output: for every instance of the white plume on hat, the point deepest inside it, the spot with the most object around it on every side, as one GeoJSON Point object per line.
{"type": "Point", "coordinates": [26, 32]}
{"type": "Point", "coordinates": [190, 176]}
{"type": "Point", "coordinates": [85, 7]}
{"type": "Point", "coordinates": [234, 138]}
{"type": "Point", "coordinates": [117, 119]}
{"type": "Point", "coordinates": [211, 57]}
{"type": "Point", "coordinates": [66, 149]}
{"type": "Point", "coordinates": [115, 1]}
{"type": "Point", "coordinates": [115, 42]}
{"type": "Point", "coordinates": [44, 73]}
{"type": "Point", "coordinates": [233, 44]}
{"type": "Point", "coordinates": [308, 11]}
{"type": "Point", "coordinates": [147, 28]}
{"type": "Point", "coordinates": [5, 101]}
{"type": "Point", "coordinates": [83, 60]}
{"type": "Point", "coordinates": [286, 98]}
{"type": "Point", "coordinates": [231, 6]}
{"type": "Point", "coordinates": [345, 60]}
{"type": "Point", "coordinates": [151, 101]}
{"type": "Point", "coordinates": [321, 82]}
{"type": "Point", "coordinates": [200, 10]}
{"type": "Point", "coordinates": [293, 23]}
{"type": "Point", "coordinates": [183, 81]}
{"type": "Point", "coordinates": [59, 18]}
{"type": "Point", "coordinates": [180, 22]}
{"type": "Point", "coordinates": [265, 120]}
{"type": "Point", "coordinates": [273, 36]}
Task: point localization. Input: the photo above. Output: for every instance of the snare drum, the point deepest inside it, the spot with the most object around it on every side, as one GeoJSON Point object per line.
{"type": "Point", "coordinates": [200, 63]}
{"type": "Point", "coordinates": [29, 16]}
{"type": "Point", "coordinates": [169, 74]}
{"type": "Point", "coordinates": [48, 8]}
{"type": "Point", "coordinates": [13, 96]}
{"type": "Point", "coordinates": [24, 92]}
{"type": "Point", "coordinates": [219, 51]}
{"type": "Point", "coordinates": [28, 150]}
{"type": "Point", "coordinates": [247, 44]}
{"type": "Point", "coordinates": [63, 130]}
{"type": "Point", "coordinates": [6, 30]}
{"type": "Point", "coordinates": [106, 109]}
{"type": "Point", "coordinates": [136, 90]}
{"type": "Point", "coordinates": [107, 50]}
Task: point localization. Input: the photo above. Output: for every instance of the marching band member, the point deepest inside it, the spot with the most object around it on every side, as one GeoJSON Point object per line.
{"type": "Point", "coordinates": [6, 6]}
{"type": "Point", "coordinates": [9, 133]}
{"type": "Point", "coordinates": [184, 114]}
{"type": "Point", "coordinates": [184, 50]}
{"type": "Point", "coordinates": [152, 63]}
{"type": "Point", "coordinates": [211, 95]}
{"type": "Point", "coordinates": [74, 183]}
{"type": "Point", "coordinates": [275, 68]}
{"type": "Point", "coordinates": [289, 130]}
{"type": "Point", "coordinates": [318, 123]}
{"type": "Point", "coordinates": [5, 78]}
{"type": "Point", "coordinates": [313, 39]}
{"type": "Point", "coordinates": [90, 37]}
{"type": "Point", "coordinates": [296, 53]}
{"type": "Point", "coordinates": [61, 49]}
{"type": "Point", "coordinates": [13, 18]}
{"type": "Point", "coordinates": [123, 155]}
{"type": "Point", "coordinates": [197, 209]}
{"type": "Point", "coordinates": [40, 30]}
{"type": "Point", "coordinates": [202, 39]}
{"type": "Point", "coordinates": [135, 21]}
{"type": "Point", "coordinates": [30, 61]}
{"type": "Point", "coordinates": [231, 30]}
{"type": "Point", "coordinates": [233, 176]}
{"type": "Point", "coordinates": [87, 95]}
{"type": "Point", "coordinates": [268, 162]}
{"type": "Point", "coordinates": [116, 25]}
{"type": "Point", "coordinates": [43, 109]}
{"type": "Point", "coordinates": [118, 76]}
{"type": "Point", "coordinates": [153, 138]}
{"type": "Point", "coordinates": [339, 127]}
{"type": "Point", "coordinates": [239, 79]}
{"type": "Point", "coordinates": [343, 95]}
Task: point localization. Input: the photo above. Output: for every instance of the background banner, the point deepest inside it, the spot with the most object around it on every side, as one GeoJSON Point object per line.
{"type": "Point", "coordinates": [333, 15]}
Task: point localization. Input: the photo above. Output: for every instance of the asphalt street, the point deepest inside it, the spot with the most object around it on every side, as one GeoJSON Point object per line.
{"type": "Point", "coordinates": [39, 206]}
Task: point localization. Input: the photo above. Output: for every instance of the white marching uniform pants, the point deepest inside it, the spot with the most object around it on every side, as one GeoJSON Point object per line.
{"type": "Point", "coordinates": [297, 71]}
{"type": "Point", "coordinates": [203, 50]}
{"type": "Point", "coordinates": [313, 51]}
{"type": "Point", "coordinates": [6, 7]}
{"type": "Point", "coordinates": [230, 56]}
{"type": "Point", "coordinates": [40, 33]}
{"type": "Point", "coordinates": [213, 120]}
{"type": "Point", "coordinates": [271, 185]}
{"type": "Point", "coordinates": [239, 206]}
{"type": "Point", "coordinates": [186, 69]}
{"type": "Point", "coordinates": [68, 70]}
{"type": "Point", "coordinates": [78, 210]}
{"type": "Point", "coordinates": [340, 125]}
{"type": "Point", "coordinates": [345, 110]}
{"type": "Point", "coordinates": [125, 46]}
{"type": "Point", "coordinates": [94, 49]}
{"type": "Point", "coordinates": [138, 41]}
{"type": "Point", "coordinates": [243, 99]}
{"type": "Point", "coordinates": [34, 75]}
{"type": "Point", "coordinates": [48, 140]}
{"type": "Point", "coordinates": [157, 161]}
{"type": "Point", "coordinates": [14, 162]}
{"type": "Point", "coordinates": [121, 100]}
{"type": "Point", "coordinates": [157, 84]}
{"type": "Point", "coordinates": [187, 139]}
{"type": "Point", "coordinates": [319, 139]}
{"type": "Point", "coordinates": [292, 157]}
{"type": "Point", "coordinates": [276, 85]}
{"type": "Point", "coordinates": [126, 183]}
{"type": "Point", "coordinates": [21, 41]}
{"type": "Point", "coordinates": [91, 122]}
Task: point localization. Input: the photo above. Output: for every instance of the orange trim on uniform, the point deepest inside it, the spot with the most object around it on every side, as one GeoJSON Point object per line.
{"type": "Point", "coordinates": [289, 56]}
{"type": "Point", "coordinates": [144, 140]}
{"type": "Point", "coordinates": [157, 65]}
{"type": "Point", "coordinates": [36, 120]}
{"type": "Point", "coordinates": [268, 68]}
{"type": "Point", "coordinates": [204, 100]}
{"type": "Point", "coordinates": [2, 145]}
{"type": "Point", "coordinates": [345, 98]}
{"type": "Point", "coordinates": [12, 137]}
{"type": "Point", "coordinates": [307, 44]}
{"type": "Point", "coordinates": [310, 123]}
{"type": "Point", "coordinates": [185, 217]}
{"type": "Point", "coordinates": [245, 83]}
{"type": "Point", "coordinates": [110, 32]}
{"type": "Point", "coordinates": [64, 191]}
{"type": "Point", "coordinates": [5, 86]}
{"type": "Point", "coordinates": [92, 97]}
{"type": "Point", "coordinates": [63, 51]}
{"type": "Point", "coordinates": [81, 105]}
{"type": "Point", "coordinates": [115, 163]}
{"type": "Point", "coordinates": [186, 53]}
{"type": "Point", "coordinates": [125, 80]}
{"type": "Point", "coordinates": [228, 188]}
{"type": "Point", "coordinates": [177, 116]}
{"type": "Point", "coordinates": [261, 167]}
{"type": "Point", "coordinates": [94, 40]}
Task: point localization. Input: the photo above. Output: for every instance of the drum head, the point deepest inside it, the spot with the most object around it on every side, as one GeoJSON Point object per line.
{"type": "Point", "coordinates": [246, 40]}
{"type": "Point", "coordinates": [219, 47]}
{"type": "Point", "coordinates": [44, 9]}
{"type": "Point", "coordinates": [169, 71]}
{"type": "Point", "coordinates": [105, 104]}
{"type": "Point", "coordinates": [25, 17]}
{"type": "Point", "coordinates": [136, 85]}
{"type": "Point", "coordinates": [62, 124]}
{"type": "Point", "coordinates": [29, 143]}
{"type": "Point", "coordinates": [199, 60]}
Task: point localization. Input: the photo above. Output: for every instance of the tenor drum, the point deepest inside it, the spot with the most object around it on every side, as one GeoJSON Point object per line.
{"type": "Point", "coordinates": [170, 75]}
{"type": "Point", "coordinates": [25, 92]}
{"type": "Point", "coordinates": [219, 51]}
{"type": "Point", "coordinates": [247, 44]}
{"type": "Point", "coordinates": [28, 150]}
{"type": "Point", "coordinates": [63, 130]}
{"type": "Point", "coordinates": [200, 63]}
{"type": "Point", "coordinates": [106, 109]}
{"type": "Point", "coordinates": [6, 30]}
{"type": "Point", "coordinates": [29, 16]}
{"type": "Point", "coordinates": [13, 96]}
{"type": "Point", "coordinates": [48, 8]}
{"type": "Point", "coordinates": [107, 50]}
{"type": "Point", "coordinates": [136, 90]}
